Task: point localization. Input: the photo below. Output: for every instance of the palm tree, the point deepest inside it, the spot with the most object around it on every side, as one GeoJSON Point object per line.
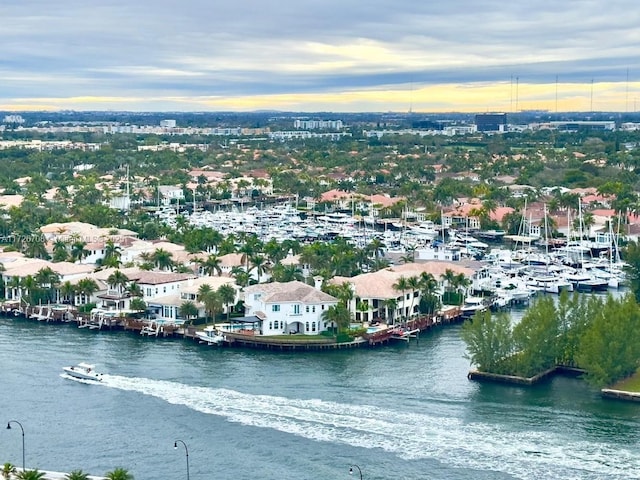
{"type": "Point", "coordinates": [135, 290]}
{"type": "Point", "coordinates": [449, 279]}
{"type": "Point", "coordinates": [30, 475]}
{"type": "Point", "coordinates": [86, 287]}
{"type": "Point", "coordinates": [78, 252]}
{"type": "Point", "coordinates": [162, 259]}
{"type": "Point", "coordinates": [429, 287]}
{"type": "Point", "coordinates": [402, 286]}
{"type": "Point", "coordinates": [211, 265]}
{"type": "Point", "coordinates": [60, 252]}
{"type": "Point", "coordinates": [286, 273]}
{"type": "Point", "coordinates": [112, 254]}
{"type": "Point", "coordinates": [118, 279]}
{"type": "Point", "coordinates": [8, 469]}
{"type": "Point", "coordinates": [188, 310]}
{"type": "Point", "coordinates": [363, 308]}
{"type": "Point", "coordinates": [68, 291]}
{"type": "Point", "coordinates": [337, 315]}
{"type": "Point", "coordinates": [212, 303]}
{"type": "Point", "coordinates": [47, 281]}
{"type": "Point", "coordinates": [259, 263]}
{"type": "Point", "coordinates": [391, 305]}
{"type": "Point", "coordinates": [119, 474]}
{"type": "Point", "coordinates": [76, 475]}
{"type": "Point", "coordinates": [137, 305]}
{"type": "Point", "coordinates": [413, 285]}
{"type": "Point", "coordinates": [228, 296]}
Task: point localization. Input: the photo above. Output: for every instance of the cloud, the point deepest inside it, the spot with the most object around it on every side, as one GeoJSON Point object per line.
{"type": "Point", "coordinates": [154, 51]}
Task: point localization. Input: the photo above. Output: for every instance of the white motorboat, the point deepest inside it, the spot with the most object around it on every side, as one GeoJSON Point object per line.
{"type": "Point", "coordinates": [472, 305]}
{"type": "Point", "coordinates": [83, 371]}
{"type": "Point", "coordinates": [210, 336]}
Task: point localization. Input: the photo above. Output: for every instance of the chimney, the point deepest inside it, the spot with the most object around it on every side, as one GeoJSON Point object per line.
{"type": "Point", "coordinates": [317, 282]}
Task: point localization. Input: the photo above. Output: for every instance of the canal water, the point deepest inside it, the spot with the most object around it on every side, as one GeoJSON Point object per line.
{"type": "Point", "coordinates": [398, 412]}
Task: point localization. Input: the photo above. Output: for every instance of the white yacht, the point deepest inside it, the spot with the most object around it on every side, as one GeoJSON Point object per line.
{"type": "Point", "coordinates": [472, 305]}
{"type": "Point", "coordinates": [210, 336]}
{"type": "Point", "coordinates": [83, 371]}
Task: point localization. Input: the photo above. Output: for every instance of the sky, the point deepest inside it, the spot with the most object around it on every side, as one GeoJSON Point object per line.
{"type": "Point", "coordinates": [312, 55]}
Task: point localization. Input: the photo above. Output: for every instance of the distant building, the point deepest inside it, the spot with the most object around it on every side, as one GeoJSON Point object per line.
{"type": "Point", "coordinates": [318, 124]}
{"type": "Point", "coordinates": [491, 122]}
{"type": "Point", "coordinates": [586, 125]}
{"type": "Point", "coordinates": [168, 123]}
{"type": "Point", "coordinates": [15, 119]}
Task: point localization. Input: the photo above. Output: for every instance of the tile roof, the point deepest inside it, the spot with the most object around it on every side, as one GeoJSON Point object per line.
{"type": "Point", "coordinates": [290, 292]}
{"type": "Point", "coordinates": [380, 284]}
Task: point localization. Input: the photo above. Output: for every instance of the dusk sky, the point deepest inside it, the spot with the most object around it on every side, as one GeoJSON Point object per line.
{"type": "Point", "coordinates": [329, 55]}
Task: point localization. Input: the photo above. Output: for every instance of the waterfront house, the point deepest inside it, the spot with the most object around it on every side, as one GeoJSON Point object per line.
{"type": "Point", "coordinates": [166, 308]}
{"type": "Point", "coordinates": [378, 290]}
{"type": "Point", "coordinates": [287, 308]}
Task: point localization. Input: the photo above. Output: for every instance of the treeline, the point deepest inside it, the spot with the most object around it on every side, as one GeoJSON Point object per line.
{"type": "Point", "coordinates": [599, 335]}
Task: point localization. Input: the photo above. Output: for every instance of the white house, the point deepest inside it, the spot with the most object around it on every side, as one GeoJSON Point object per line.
{"type": "Point", "coordinates": [286, 308]}
{"type": "Point", "coordinates": [167, 307]}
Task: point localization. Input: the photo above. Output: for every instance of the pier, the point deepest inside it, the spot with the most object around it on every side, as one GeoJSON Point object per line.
{"type": "Point", "coordinates": [108, 320]}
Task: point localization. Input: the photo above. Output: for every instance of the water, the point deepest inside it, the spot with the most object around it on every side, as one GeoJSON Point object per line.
{"type": "Point", "coordinates": [402, 412]}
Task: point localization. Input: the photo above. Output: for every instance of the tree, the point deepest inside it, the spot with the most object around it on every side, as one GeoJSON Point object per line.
{"type": "Point", "coordinates": [489, 341]}
{"type": "Point", "coordinates": [228, 296]}
{"type": "Point", "coordinates": [119, 474]}
{"type": "Point", "coordinates": [8, 469]}
{"type": "Point", "coordinates": [30, 475]}
{"type": "Point", "coordinates": [391, 305]}
{"type": "Point", "coordinates": [162, 259]}
{"type": "Point", "coordinates": [536, 338]}
{"type": "Point", "coordinates": [259, 264]}
{"type": "Point", "coordinates": [429, 301]}
{"type": "Point", "coordinates": [402, 286]}
{"type": "Point", "coordinates": [188, 310]}
{"type": "Point", "coordinates": [137, 305]}
{"type": "Point", "coordinates": [337, 315]}
{"type": "Point", "coordinates": [86, 287]}
{"type": "Point", "coordinates": [118, 280]}
{"type": "Point", "coordinates": [77, 475]}
{"type": "Point", "coordinates": [211, 265]}
{"type": "Point", "coordinates": [78, 252]}
{"type": "Point", "coordinates": [610, 347]}
{"type": "Point", "coordinates": [60, 252]}
{"type": "Point", "coordinates": [112, 254]}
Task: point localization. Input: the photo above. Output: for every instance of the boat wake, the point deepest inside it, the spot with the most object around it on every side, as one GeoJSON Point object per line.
{"type": "Point", "coordinates": [524, 454]}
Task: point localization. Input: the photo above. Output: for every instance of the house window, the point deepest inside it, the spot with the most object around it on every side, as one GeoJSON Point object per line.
{"type": "Point", "coordinates": [275, 308]}
{"type": "Point", "coordinates": [148, 292]}
{"type": "Point", "coordinates": [296, 309]}
{"type": "Point", "coordinates": [313, 326]}
{"type": "Point", "coordinates": [313, 309]}
{"type": "Point", "coordinates": [164, 289]}
{"type": "Point", "coordinates": [307, 326]}
{"type": "Point", "coordinates": [307, 309]}
{"type": "Point", "coordinates": [322, 306]}
{"type": "Point", "coordinates": [270, 325]}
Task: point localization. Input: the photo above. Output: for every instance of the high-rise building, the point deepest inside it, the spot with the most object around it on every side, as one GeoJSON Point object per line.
{"type": "Point", "coordinates": [491, 122]}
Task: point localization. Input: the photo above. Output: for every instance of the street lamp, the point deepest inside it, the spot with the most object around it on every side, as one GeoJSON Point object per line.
{"type": "Point", "coordinates": [186, 451]}
{"type": "Point", "coordinates": [22, 429]}
{"type": "Point", "coordinates": [351, 470]}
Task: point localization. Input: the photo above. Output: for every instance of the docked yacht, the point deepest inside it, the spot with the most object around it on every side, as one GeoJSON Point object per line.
{"type": "Point", "coordinates": [83, 371]}
{"type": "Point", "coordinates": [472, 305]}
{"type": "Point", "coordinates": [210, 336]}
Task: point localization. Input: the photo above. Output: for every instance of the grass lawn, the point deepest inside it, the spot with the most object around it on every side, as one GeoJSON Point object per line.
{"type": "Point", "coordinates": [631, 384]}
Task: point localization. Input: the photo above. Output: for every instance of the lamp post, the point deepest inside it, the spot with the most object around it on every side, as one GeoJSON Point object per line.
{"type": "Point", "coordinates": [186, 451]}
{"type": "Point", "coordinates": [359, 470]}
{"type": "Point", "coordinates": [22, 429]}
